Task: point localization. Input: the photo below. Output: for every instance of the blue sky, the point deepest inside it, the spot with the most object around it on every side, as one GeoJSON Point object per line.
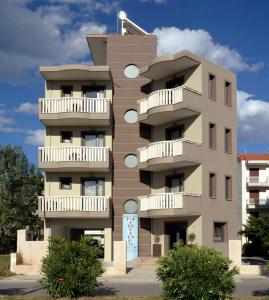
{"type": "Point", "coordinates": [32, 33]}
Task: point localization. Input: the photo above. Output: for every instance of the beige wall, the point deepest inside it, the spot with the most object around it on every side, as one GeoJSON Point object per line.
{"type": "Point", "coordinates": [53, 88]}
{"type": "Point", "coordinates": [53, 135]}
{"type": "Point", "coordinates": [192, 129]}
{"type": "Point", "coordinates": [192, 180]}
{"type": "Point", "coordinates": [192, 78]}
{"type": "Point", "coordinates": [52, 185]}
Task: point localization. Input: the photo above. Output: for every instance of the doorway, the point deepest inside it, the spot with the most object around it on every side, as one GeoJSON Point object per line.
{"type": "Point", "coordinates": [175, 232]}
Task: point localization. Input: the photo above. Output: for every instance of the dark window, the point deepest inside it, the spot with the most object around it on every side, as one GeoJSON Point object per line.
{"type": "Point", "coordinates": [93, 139]}
{"type": "Point", "coordinates": [93, 91]}
{"type": "Point", "coordinates": [145, 177]}
{"type": "Point", "coordinates": [175, 82]}
{"type": "Point", "coordinates": [228, 93]}
{"type": "Point", "coordinates": [212, 185]}
{"type": "Point", "coordinates": [219, 232]}
{"type": "Point", "coordinates": [212, 136]}
{"type": "Point", "coordinates": [174, 133]}
{"type": "Point", "coordinates": [228, 187]}
{"type": "Point", "coordinates": [66, 137]}
{"type": "Point", "coordinates": [65, 183]}
{"type": "Point", "coordinates": [93, 187]}
{"type": "Point", "coordinates": [228, 140]}
{"type": "Point", "coordinates": [175, 184]}
{"type": "Point", "coordinates": [67, 90]}
{"type": "Point", "coordinates": [212, 93]}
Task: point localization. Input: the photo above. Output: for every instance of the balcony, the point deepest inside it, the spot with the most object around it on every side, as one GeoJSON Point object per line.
{"type": "Point", "coordinates": [258, 204]}
{"type": "Point", "coordinates": [169, 204]}
{"type": "Point", "coordinates": [74, 207]}
{"type": "Point", "coordinates": [258, 181]}
{"type": "Point", "coordinates": [165, 155]}
{"type": "Point", "coordinates": [74, 159]}
{"type": "Point", "coordinates": [74, 111]}
{"type": "Point", "coordinates": [168, 105]}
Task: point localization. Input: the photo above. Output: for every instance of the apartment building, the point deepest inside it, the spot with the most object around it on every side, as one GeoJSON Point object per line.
{"type": "Point", "coordinates": [254, 185]}
{"type": "Point", "coordinates": [140, 148]}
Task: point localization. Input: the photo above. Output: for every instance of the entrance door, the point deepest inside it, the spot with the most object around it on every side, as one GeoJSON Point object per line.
{"type": "Point", "coordinates": [174, 133]}
{"type": "Point", "coordinates": [175, 231]}
{"type": "Point", "coordinates": [93, 139]}
{"type": "Point", "coordinates": [93, 187]}
{"type": "Point", "coordinates": [254, 196]}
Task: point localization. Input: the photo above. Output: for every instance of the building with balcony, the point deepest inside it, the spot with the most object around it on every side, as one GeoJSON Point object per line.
{"type": "Point", "coordinates": [254, 185]}
{"type": "Point", "coordinates": [140, 148]}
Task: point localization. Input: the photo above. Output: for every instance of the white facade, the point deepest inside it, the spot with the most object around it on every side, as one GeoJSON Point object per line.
{"type": "Point", "coordinates": [253, 183]}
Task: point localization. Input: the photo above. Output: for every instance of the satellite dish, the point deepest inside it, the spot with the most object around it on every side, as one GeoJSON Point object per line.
{"type": "Point", "coordinates": [122, 15]}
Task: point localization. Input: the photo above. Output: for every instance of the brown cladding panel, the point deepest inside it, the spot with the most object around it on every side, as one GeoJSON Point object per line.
{"type": "Point", "coordinates": [122, 51]}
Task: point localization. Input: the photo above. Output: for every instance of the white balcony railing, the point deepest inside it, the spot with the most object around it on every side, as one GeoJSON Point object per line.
{"type": "Point", "coordinates": [261, 201]}
{"type": "Point", "coordinates": [76, 204]}
{"type": "Point", "coordinates": [163, 149]}
{"type": "Point", "coordinates": [163, 200]}
{"type": "Point", "coordinates": [258, 180]}
{"type": "Point", "coordinates": [73, 154]}
{"type": "Point", "coordinates": [70, 104]}
{"type": "Point", "coordinates": [159, 98]}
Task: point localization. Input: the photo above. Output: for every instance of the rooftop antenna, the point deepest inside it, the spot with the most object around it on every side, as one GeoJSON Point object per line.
{"type": "Point", "coordinates": [128, 27]}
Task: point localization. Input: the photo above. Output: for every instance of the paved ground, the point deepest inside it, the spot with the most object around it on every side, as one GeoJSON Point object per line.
{"type": "Point", "coordinates": [140, 281]}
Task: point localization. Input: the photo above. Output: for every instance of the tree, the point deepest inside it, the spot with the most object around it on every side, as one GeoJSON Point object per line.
{"type": "Point", "coordinates": [196, 273]}
{"type": "Point", "coordinates": [20, 184]}
{"type": "Point", "coordinates": [71, 269]}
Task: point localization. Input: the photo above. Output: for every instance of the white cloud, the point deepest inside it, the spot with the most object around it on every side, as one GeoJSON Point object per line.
{"type": "Point", "coordinates": [35, 137]}
{"type": "Point", "coordinates": [4, 119]}
{"type": "Point", "coordinates": [156, 1]}
{"type": "Point", "coordinates": [49, 35]}
{"type": "Point", "coordinates": [253, 118]}
{"type": "Point", "coordinates": [199, 41]}
{"type": "Point", "coordinates": [28, 108]}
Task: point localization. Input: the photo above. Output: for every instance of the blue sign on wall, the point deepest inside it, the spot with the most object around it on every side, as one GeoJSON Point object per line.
{"type": "Point", "coordinates": [130, 235]}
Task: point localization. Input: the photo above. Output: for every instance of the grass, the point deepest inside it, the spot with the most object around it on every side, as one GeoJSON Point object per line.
{"type": "Point", "coordinates": [4, 265]}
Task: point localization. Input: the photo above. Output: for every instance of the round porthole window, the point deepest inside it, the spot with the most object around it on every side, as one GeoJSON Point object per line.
{"type": "Point", "coordinates": [130, 161]}
{"type": "Point", "coordinates": [130, 116]}
{"type": "Point", "coordinates": [130, 206]}
{"type": "Point", "coordinates": [131, 71]}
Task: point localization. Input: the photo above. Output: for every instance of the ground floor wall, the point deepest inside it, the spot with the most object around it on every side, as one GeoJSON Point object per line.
{"type": "Point", "coordinates": [96, 227]}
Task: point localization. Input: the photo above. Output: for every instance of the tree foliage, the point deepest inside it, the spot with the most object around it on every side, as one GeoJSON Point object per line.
{"type": "Point", "coordinates": [196, 273]}
{"type": "Point", "coordinates": [20, 184]}
{"type": "Point", "coordinates": [71, 269]}
{"type": "Point", "coordinates": [257, 232]}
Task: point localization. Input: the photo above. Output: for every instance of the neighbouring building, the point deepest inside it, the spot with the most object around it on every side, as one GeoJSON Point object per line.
{"type": "Point", "coordinates": [254, 185]}
{"type": "Point", "coordinates": [140, 148]}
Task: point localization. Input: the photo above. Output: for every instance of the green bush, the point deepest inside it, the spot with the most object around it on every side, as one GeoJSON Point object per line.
{"type": "Point", "coordinates": [71, 268]}
{"type": "Point", "coordinates": [195, 273]}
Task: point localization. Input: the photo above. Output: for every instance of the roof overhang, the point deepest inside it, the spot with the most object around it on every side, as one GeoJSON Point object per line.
{"type": "Point", "coordinates": [163, 66]}
{"type": "Point", "coordinates": [97, 45]}
{"type": "Point", "coordinates": [76, 72]}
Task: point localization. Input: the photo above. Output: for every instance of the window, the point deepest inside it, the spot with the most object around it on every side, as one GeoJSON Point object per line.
{"type": "Point", "coordinates": [67, 91]}
{"type": "Point", "coordinates": [130, 206]}
{"type": "Point", "coordinates": [212, 93]}
{"type": "Point", "coordinates": [66, 137]}
{"type": "Point", "coordinates": [175, 184]}
{"type": "Point", "coordinates": [93, 187]}
{"type": "Point", "coordinates": [228, 187]}
{"type": "Point", "coordinates": [212, 136]}
{"type": "Point", "coordinates": [228, 140]}
{"type": "Point", "coordinates": [93, 139]}
{"type": "Point", "coordinates": [219, 232]}
{"type": "Point", "coordinates": [130, 161]}
{"type": "Point", "coordinates": [131, 71]}
{"type": "Point", "coordinates": [65, 183]}
{"type": "Point", "coordinates": [228, 93]}
{"type": "Point", "coordinates": [93, 91]}
{"type": "Point", "coordinates": [130, 116]}
{"type": "Point", "coordinates": [174, 133]}
{"type": "Point", "coordinates": [175, 82]}
{"type": "Point", "coordinates": [212, 185]}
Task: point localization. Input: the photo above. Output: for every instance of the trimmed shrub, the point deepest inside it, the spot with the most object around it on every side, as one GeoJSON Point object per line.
{"type": "Point", "coordinates": [71, 268]}
{"type": "Point", "coordinates": [196, 273]}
